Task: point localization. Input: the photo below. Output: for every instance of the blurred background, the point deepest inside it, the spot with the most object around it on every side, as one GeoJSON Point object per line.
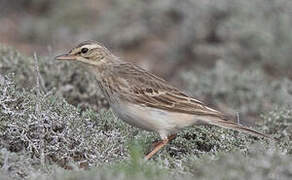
{"type": "Point", "coordinates": [235, 55]}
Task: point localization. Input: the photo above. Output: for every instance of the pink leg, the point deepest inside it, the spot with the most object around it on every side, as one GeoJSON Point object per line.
{"type": "Point", "coordinates": [159, 145]}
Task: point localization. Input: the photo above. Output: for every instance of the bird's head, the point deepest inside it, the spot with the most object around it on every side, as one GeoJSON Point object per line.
{"type": "Point", "coordinates": [88, 52]}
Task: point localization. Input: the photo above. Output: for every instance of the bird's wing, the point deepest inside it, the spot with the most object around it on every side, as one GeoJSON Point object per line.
{"type": "Point", "coordinates": [149, 90]}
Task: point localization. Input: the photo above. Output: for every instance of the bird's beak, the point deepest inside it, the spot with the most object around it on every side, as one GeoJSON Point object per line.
{"type": "Point", "coordinates": [66, 57]}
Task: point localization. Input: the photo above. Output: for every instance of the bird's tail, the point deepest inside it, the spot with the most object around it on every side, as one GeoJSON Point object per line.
{"type": "Point", "coordinates": [217, 121]}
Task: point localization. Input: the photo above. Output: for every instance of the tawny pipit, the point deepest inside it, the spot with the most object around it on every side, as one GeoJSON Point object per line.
{"type": "Point", "coordinates": [144, 100]}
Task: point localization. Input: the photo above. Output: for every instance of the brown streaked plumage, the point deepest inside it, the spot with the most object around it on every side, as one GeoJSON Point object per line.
{"type": "Point", "coordinates": [144, 100]}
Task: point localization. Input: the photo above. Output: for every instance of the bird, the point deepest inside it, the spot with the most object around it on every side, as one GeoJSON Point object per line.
{"type": "Point", "coordinates": [145, 100]}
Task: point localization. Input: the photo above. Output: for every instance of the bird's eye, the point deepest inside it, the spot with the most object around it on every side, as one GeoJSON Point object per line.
{"type": "Point", "coordinates": [84, 50]}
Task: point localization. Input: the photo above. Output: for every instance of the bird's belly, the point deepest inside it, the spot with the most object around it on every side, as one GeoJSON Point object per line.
{"type": "Point", "coordinates": [152, 119]}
